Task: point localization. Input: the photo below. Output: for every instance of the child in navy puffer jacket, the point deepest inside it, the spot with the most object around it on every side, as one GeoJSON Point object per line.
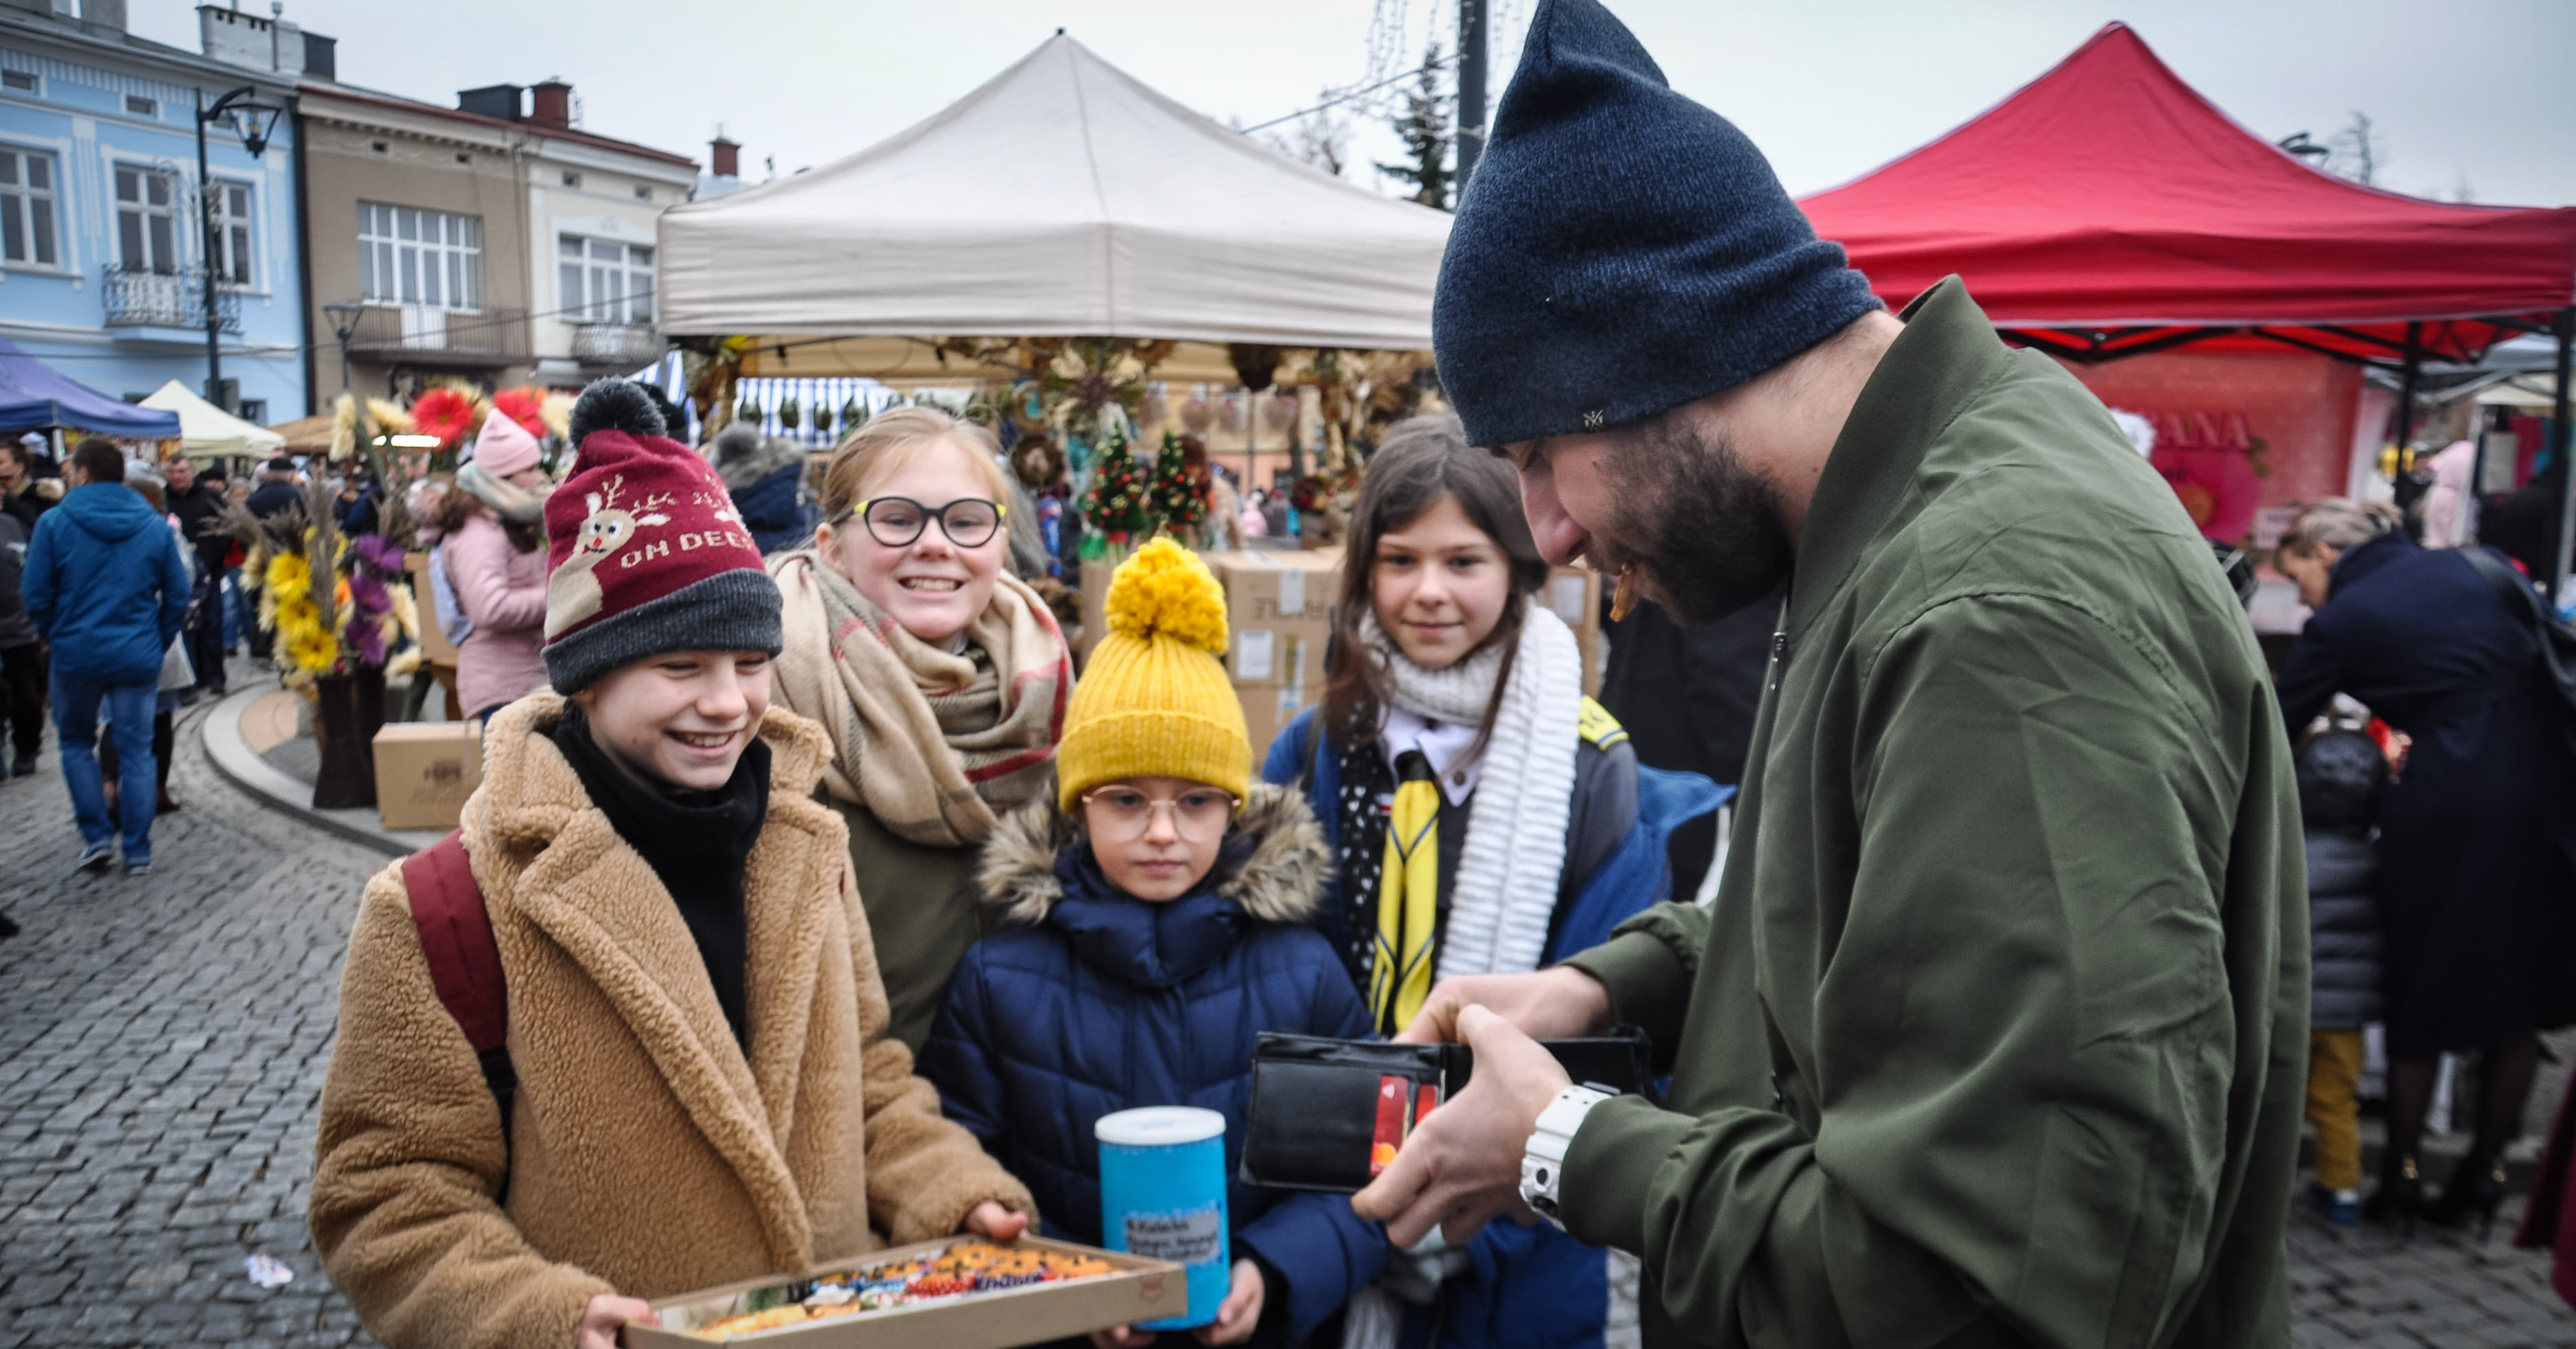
{"type": "Point", "coordinates": [1158, 911]}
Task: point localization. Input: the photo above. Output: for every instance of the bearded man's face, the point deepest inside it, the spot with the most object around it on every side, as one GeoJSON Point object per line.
{"type": "Point", "coordinates": [1670, 497]}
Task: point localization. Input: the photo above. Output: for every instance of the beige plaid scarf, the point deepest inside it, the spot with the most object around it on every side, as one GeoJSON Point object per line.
{"type": "Point", "coordinates": [937, 745]}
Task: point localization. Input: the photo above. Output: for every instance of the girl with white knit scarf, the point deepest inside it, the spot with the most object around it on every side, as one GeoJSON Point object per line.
{"type": "Point", "coordinates": [1471, 807]}
{"type": "Point", "coordinates": [941, 679]}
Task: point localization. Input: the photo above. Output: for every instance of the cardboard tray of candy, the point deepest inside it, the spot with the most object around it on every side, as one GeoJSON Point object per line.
{"type": "Point", "coordinates": [957, 1292]}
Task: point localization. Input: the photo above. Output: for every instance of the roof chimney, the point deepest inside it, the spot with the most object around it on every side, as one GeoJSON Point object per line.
{"type": "Point", "coordinates": [553, 104]}
{"type": "Point", "coordinates": [724, 158]}
{"type": "Point", "coordinates": [499, 102]}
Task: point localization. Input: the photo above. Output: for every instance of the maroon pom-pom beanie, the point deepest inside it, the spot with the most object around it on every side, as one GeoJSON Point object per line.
{"type": "Point", "coordinates": [647, 556]}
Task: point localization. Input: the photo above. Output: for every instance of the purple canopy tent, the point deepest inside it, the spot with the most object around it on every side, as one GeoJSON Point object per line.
{"type": "Point", "coordinates": [34, 398]}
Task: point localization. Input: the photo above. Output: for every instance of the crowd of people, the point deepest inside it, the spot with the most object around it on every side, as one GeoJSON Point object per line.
{"type": "Point", "coordinates": [868, 748]}
{"type": "Point", "coordinates": [820, 906]}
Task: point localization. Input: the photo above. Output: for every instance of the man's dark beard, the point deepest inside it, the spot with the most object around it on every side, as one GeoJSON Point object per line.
{"type": "Point", "coordinates": [1705, 528]}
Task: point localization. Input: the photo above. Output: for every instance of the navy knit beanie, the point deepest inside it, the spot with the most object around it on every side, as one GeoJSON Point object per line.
{"type": "Point", "coordinates": [1620, 250]}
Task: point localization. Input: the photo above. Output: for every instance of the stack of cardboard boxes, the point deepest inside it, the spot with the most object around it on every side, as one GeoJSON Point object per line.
{"type": "Point", "coordinates": [1279, 616]}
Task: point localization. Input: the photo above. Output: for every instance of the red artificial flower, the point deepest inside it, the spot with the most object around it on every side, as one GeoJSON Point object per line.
{"type": "Point", "coordinates": [525, 406]}
{"type": "Point", "coordinates": [446, 414]}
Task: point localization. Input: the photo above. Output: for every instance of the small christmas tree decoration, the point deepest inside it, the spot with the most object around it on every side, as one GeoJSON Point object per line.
{"type": "Point", "coordinates": [1116, 505]}
{"type": "Point", "coordinates": [1179, 499]}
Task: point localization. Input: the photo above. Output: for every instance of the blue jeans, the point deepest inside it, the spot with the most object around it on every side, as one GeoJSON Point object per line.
{"type": "Point", "coordinates": [77, 700]}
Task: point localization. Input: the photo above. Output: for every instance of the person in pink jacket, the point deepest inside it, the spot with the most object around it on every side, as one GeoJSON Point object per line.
{"type": "Point", "coordinates": [496, 561]}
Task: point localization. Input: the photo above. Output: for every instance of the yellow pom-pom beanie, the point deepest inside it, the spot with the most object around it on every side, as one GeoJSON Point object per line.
{"type": "Point", "coordinates": [1154, 701]}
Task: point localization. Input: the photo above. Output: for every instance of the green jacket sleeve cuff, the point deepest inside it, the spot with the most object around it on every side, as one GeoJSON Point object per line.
{"type": "Point", "coordinates": [1603, 1194]}
{"type": "Point", "coordinates": [1648, 967]}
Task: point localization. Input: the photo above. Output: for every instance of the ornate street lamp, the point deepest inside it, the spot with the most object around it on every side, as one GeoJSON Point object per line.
{"type": "Point", "coordinates": [252, 121]}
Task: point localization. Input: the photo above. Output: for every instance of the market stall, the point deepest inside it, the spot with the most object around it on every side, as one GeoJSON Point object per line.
{"type": "Point", "coordinates": [209, 432]}
{"type": "Point", "coordinates": [35, 398]}
{"type": "Point", "coordinates": [2108, 212]}
{"type": "Point", "coordinates": [1062, 198]}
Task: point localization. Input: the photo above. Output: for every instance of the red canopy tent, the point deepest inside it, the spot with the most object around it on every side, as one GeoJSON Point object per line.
{"type": "Point", "coordinates": [2106, 209]}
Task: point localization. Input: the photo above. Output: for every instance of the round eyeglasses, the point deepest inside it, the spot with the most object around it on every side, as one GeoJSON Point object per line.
{"type": "Point", "coordinates": [1119, 814]}
{"type": "Point", "coordinates": [969, 522]}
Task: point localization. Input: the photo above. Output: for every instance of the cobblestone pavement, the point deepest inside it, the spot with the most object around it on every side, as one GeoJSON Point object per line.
{"type": "Point", "coordinates": [162, 1044]}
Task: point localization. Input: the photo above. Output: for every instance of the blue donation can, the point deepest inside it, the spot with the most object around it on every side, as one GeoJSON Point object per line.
{"type": "Point", "coordinates": [1162, 1197]}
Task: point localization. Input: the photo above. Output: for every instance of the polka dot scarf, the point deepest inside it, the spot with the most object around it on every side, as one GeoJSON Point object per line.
{"type": "Point", "coordinates": [1362, 852]}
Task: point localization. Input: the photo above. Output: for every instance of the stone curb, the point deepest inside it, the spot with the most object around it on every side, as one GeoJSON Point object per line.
{"type": "Point", "coordinates": [235, 761]}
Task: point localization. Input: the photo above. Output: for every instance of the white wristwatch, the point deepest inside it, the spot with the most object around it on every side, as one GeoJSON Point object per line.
{"type": "Point", "coordinates": [1543, 1160]}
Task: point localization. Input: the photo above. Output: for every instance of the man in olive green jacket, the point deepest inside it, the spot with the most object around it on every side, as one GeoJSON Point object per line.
{"type": "Point", "coordinates": [1995, 1033]}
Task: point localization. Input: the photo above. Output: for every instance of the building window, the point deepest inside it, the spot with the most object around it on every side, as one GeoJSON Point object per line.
{"type": "Point", "coordinates": [24, 81]}
{"type": "Point", "coordinates": [147, 226]}
{"type": "Point", "coordinates": [411, 256]}
{"type": "Point", "coordinates": [604, 281]}
{"type": "Point", "coordinates": [571, 179]}
{"type": "Point", "coordinates": [141, 106]}
{"type": "Point", "coordinates": [233, 251]}
{"type": "Point", "coordinates": [643, 193]}
{"type": "Point", "coordinates": [27, 208]}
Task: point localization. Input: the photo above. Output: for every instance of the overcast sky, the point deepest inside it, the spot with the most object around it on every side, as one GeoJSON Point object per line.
{"type": "Point", "coordinates": [2471, 96]}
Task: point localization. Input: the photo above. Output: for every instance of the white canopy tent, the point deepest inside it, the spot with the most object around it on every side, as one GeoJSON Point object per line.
{"type": "Point", "coordinates": [1061, 199]}
{"type": "Point", "coordinates": [209, 432]}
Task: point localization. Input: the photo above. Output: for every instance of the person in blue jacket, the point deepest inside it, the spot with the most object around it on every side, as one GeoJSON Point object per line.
{"type": "Point", "coordinates": [1156, 912]}
{"type": "Point", "coordinates": [106, 586]}
{"type": "Point", "coordinates": [1486, 817]}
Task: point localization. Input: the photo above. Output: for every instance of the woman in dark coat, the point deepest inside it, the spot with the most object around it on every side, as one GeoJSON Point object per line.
{"type": "Point", "coordinates": [2477, 842]}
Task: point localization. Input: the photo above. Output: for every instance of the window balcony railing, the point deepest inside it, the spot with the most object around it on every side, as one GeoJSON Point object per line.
{"type": "Point", "coordinates": [420, 334]}
{"type": "Point", "coordinates": [140, 297]}
{"type": "Point", "coordinates": [627, 344]}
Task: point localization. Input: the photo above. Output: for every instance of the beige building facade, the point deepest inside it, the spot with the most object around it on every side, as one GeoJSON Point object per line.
{"type": "Point", "coordinates": [493, 240]}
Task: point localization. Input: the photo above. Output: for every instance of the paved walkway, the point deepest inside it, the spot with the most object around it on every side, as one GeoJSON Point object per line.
{"type": "Point", "coordinates": [164, 1041]}
{"type": "Point", "coordinates": [162, 1044]}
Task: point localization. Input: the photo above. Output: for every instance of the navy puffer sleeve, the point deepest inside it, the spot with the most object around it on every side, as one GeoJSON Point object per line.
{"type": "Point", "coordinates": [1321, 1248]}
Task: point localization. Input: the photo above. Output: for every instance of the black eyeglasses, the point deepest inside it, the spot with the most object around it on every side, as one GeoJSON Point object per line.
{"type": "Point", "coordinates": [969, 522]}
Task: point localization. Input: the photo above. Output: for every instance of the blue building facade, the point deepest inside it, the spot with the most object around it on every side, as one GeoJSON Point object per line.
{"type": "Point", "coordinates": [103, 261]}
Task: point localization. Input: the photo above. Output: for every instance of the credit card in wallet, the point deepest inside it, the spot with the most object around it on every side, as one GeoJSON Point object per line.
{"type": "Point", "coordinates": [1394, 1121]}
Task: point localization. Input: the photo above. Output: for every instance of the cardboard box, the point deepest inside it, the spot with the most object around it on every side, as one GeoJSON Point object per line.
{"type": "Point", "coordinates": [1141, 1290]}
{"type": "Point", "coordinates": [1279, 612]}
{"type": "Point", "coordinates": [1095, 609]}
{"type": "Point", "coordinates": [425, 770]}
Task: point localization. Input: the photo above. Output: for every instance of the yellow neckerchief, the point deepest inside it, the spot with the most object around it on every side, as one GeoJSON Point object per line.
{"type": "Point", "coordinates": [1408, 903]}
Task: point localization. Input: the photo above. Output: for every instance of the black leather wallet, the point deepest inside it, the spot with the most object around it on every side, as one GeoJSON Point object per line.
{"type": "Point", "coordinates": [1329, 1114]}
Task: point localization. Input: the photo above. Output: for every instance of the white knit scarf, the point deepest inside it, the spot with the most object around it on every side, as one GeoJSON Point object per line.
{"type": "Point", "coordinates": [1514, 855]}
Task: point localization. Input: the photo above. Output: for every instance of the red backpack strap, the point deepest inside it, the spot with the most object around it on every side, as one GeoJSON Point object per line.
{"type": "Point", "coordinates": [456, 939]}
{"type": "Point", "coordinates": [464, 961]}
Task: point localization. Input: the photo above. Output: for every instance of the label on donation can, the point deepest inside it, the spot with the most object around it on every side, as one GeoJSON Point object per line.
{"type": "Point", "coordinates": [1191, 1238]}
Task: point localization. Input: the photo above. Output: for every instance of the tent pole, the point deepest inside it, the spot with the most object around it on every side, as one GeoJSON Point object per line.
{"type": "Point", "coordinates": [2562, 524]}
{"type": "Point", "coordinates": [2401, 483]}
{"type": "Point", "coordinates": [1471, 92]}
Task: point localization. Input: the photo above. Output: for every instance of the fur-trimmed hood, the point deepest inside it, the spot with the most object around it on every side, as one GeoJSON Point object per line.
{"type": "Point", "coordinates": [742, 457]}
{"type": "Point", "coordinates": [1277, 883]}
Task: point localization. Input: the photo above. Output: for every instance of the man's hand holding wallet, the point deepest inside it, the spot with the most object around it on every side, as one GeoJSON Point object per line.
{"type": "Point", "coordinates": [1342, 1115]}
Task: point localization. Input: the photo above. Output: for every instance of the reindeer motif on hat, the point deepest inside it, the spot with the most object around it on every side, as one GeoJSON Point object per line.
{"type": "Point", "coordinates": [573, 593]}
